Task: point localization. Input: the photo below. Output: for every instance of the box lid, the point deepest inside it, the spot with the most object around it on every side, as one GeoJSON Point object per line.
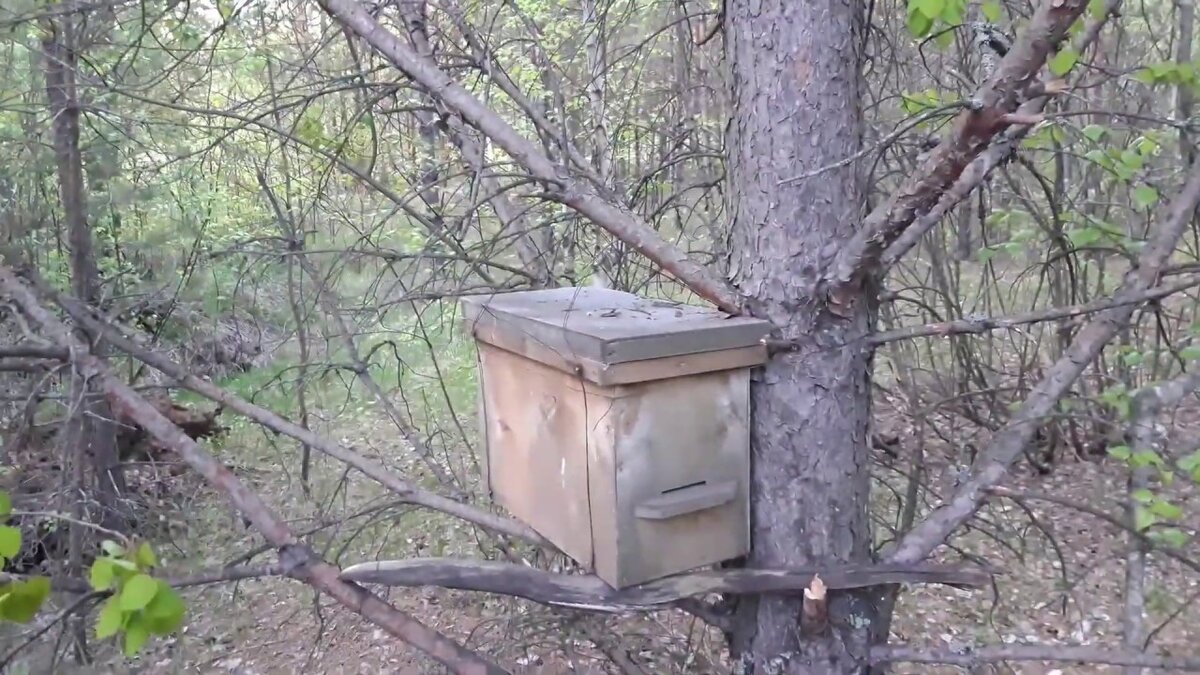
{"type": "Point", "coordinates": [606, 326]}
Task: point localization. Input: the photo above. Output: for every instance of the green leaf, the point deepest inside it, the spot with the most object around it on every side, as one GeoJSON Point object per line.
{"type": "Point", "coordinates": [1133, 358]}
{"type": "Point", "coordinates": [919, 24]}
{"type": "Point", "coordinates": [1190, 353]}
{"type": "Point", "coordinates": [111, 548]}
{"type": "Point", "coordinates": [1098, 8]}
{"type": "Point", "coordinates": [10, 541]}
{"type": "Point", "coordinates": [101, 576]}
{"type": "Point", "coordinates": [1064, 61]}
{"type": "Point", "coordinates": [1094, 132]}
{"type": "Point", "coordinates": [136, 634]}
{"type": "Point", "coordinates": [165, 612]}
{"type": "Point", "coordinates": [1144, 458]}
{"type": "Point", "coordinates": [1120, 452]}
{"type": "Point", "coordinates": [5, 504]}
{"type": "Point", "coordinates": [1098, 157]}
{"type": "Point", "coordinates": [992, 10]}
{"type": "Point", "coordinates": [1142, 495]}
{"type": "Point", "coordinates": [952, 13]}
{"type": "Point", "coordinates": [21, 600]}
{"type": "Point", "coordinates": [1171, 536]}
{"type": "Point", "coordinates": [1145, 196]}
{"type": "Point", "coordinates": [1085, 236]}
{"type": "Point", "coordinates": [109, 621]}
{"type": "Point", "coordinates": [138, 592]}
{"type": "Point", "coordinates": [1166, 510]}
{"type": "Point", "coordinates": [930, 8]}
{"type": "Point", "coordinates": [1132, 160]}
{"type": "Point", "coordinates": [1189, 462]}
{"type": "Point", "coordinates": [145, 556]}
{"type": "Point", "coordinates": [1143, 519]}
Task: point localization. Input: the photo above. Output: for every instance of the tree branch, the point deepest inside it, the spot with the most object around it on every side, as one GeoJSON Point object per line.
{"type": "Point", "coordinates": [1059, 653]}
{"type": "Point", "coordinates": [1008, 443]}
{"type": "Point", "coordinates": [983, 165]}
{"type": "Point", "coordinates": [299, 561]}
{"type": "Point", "coordinates": [370, 468]}
{"type": "Point", "coordinates": [973, 131]}
{"type": "Point", "coordinates": [604, 210]}
{"type": "Point", "coordinates": [591, 593]}
{"type": "Point", "coordinates": [975, 325]}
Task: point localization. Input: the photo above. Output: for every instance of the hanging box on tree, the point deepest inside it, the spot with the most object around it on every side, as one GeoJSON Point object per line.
{"type": "Point", "coordinates": [617, 427]}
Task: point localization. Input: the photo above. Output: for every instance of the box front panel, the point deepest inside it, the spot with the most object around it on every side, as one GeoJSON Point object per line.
{"type": "Point", "coordinates": [537, 456]}
{"type": "Point", "coordinates": [682, 471]}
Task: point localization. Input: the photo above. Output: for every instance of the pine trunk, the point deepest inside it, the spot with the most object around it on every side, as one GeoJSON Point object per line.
{"type": "Point", "coordinates": [796, 81]}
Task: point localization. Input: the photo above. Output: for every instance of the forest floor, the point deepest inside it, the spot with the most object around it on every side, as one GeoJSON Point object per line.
{"type": "Point", "coordinates": [277, 626]}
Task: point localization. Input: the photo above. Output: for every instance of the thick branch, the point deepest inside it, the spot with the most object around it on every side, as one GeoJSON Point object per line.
{"type": "Point", "coordinates": [1008, 443]}
{"type": "Point", "coordinates": [34, 352]}
{"type": "Point", "coordinates": [1057, 653]}
{"type": "Point", "coordinates": [298, 560]}
{"type": "Point", "coordinates": [589, 592]}
{"type": "Point", "coordinates": [992, 109]}
{"type": "Point", "coordinates": [998, 153]}
{"type": "Point", "coordinates": [604, 210]}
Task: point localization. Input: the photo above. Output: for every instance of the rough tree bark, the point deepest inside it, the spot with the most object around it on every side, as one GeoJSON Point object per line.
{"type": "Point", "coordinates": [796, 95]}
{"type": "Point", "coordinates": [91, 432]}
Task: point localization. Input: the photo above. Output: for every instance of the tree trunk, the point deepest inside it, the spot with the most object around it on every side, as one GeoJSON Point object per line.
{"type": "Point", "coordinates": [92, 431]}
{"type": "Point", "coordinates": [796, 82]}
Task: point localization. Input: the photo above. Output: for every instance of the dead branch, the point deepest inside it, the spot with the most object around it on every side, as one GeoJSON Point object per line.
{"type": "Point", "coordinates": [972, 133]}
{"type": "Point", "coordinates": [1008, 444]}
{"type": "Point", "coordinates": [976, 325]}
{"type": "Point", "coordinates": [589, 592]}
{"type": "Point", "coordinates": [24, 351]}
{"type": "Point", "coordinates": [1081, 654]}
{"type": "Point", "coordinates": [298, 560]}
{"type": "Point", "coordinates": [999, 152]}
{"type": "Point", "coordinates": [326, 298]}
{"type": "Point", "coordinates": [372, 469]}
{"type": "Point", "coordinates": [1116, 521]}
{"type": "Point", "coordinates": [205, 578]}
{"type": "Point", "coordinates": [581, 195]}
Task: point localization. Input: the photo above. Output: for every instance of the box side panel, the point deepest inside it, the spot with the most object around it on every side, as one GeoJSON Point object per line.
{"type": "Point", "coordinates": [602, 415]}
{"type": "Point", "coordinates": [537, 456]}
{"type": "Point", "coordinates": [682, 471]}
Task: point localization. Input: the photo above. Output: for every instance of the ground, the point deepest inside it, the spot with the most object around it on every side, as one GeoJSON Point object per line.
{"type": "Point", "coordinates": [276, 626]}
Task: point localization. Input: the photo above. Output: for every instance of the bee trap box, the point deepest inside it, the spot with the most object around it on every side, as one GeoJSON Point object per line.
{"type": "Point", "coordinates": [617, 427]}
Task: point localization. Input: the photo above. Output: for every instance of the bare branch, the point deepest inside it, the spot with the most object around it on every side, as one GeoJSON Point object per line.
{"type": "Point", "coordinates": [973, 131]}
{"type": "Point", "coordinates": [372, 469]}
{"type": "Point", "coordinates": [33, 352]}
{"type": "Point", "coordinates": [1008, 443]}
{"type": "Point", "coordinates": [968, 656]}
{"type": "Point", "coordinates": [605, 211]}
{"type": "Point", "coordinates": [983, 165]}
{"type": "Point", "coordinates": [299, 561]}
{"type": "Point", "coordinates": [589, 592]}
{"type": "Point", "coordinates": [975, 325]}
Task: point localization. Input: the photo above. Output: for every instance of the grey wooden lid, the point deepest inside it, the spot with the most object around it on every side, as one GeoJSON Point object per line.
{"type": "Point", "coordinates": [606, 326]}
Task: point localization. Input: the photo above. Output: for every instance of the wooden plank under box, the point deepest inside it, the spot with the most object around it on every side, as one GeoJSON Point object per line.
{"type": "Point", "coordinates": [617, 426]}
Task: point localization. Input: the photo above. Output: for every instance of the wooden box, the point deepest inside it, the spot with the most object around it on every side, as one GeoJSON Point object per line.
{"type": "Point", "coordinates": [618, 427]}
